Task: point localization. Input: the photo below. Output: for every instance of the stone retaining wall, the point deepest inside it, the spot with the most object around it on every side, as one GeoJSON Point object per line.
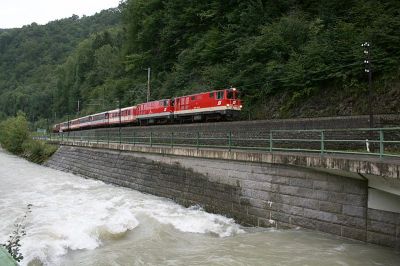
{"type": "Point", "coordinates": [252, 193]}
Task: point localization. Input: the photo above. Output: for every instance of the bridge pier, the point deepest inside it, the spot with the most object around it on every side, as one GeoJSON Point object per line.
{"type": "Point", "coordinates": [340, 196]}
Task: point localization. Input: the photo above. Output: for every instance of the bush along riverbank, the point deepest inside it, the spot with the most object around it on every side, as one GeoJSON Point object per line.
{"type": "Point", "coordinates": [16, 138]}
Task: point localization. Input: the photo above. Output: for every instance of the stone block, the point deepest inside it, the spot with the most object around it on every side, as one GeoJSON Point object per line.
{"type": "Point", "coordinates": [262, 222]}
{"type": "Point", "coordinates": [303, 222]}
{"type": "Point", "coordinates": [351, 221]}
{"type": "Point", "coordinates": [306, 203]}
{"type": "Point", "coordinates": [381, 239]}
{"type": "Point", "coordinates": [321, 215]}
{"type": "Point", "coordinates": [262, 204]}
{"type": "Point", "coordinates": [355, 211]}
{"type": "Point", "coordinates": [328, 185]}
{"type": "Point", "coordinates": [327, 206]}
{"type": "Point", "coordinates": [263, 195]}
{"type": "Point", "coordinates": [301, 182]}
{"type": "Point", "coordinates": [280, 217]}
{"type": "Point", "coordinates": [289, 209]}
{"type": "Point", "coordinates": [280, 180]}
{"type": "Point", "coordinates": [383, 228]}
{"type": "Point", "coordinates": [382, 216]}
{"type": "Point", "coordinates": [245, 201]}
{"type": "Point", "coordinates": [261, 213]}
{"type": "Point", "coordinates": [353, 233]}
{"type": "Point", "coordinates": [296, 191]}
{"type": "Point", "coordinates": [330, 228]}
{"type": "Point", "coordinates": [358, 200]}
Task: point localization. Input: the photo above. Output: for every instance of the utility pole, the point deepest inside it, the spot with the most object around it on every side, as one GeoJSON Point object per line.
{"type": "Point", "coordinates": [368, 70]}
{"type": "Point", "coordinates": [68, 124]}
{"type": "Point", "coordinates": [119, 127]}
{"type": "Point", "coordinates": [148, 84]}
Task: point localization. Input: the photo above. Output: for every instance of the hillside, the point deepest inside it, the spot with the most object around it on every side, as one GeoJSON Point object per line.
{"type": "Point", "coordinates": [288, 58]}
{"type": "Point", "coordinates": [30, 57]}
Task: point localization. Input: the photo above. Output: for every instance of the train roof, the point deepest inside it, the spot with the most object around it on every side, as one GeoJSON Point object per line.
{"type": "Point", "coordinates": [166, 99]}
{"type": "Point", "coordinates": [117, 110]}
{"type": "Point", "coordinates": [205, 92]}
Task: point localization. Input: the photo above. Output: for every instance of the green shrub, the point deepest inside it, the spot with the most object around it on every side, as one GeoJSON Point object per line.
{"type": "Point", "coordinates": [13, 133]}
{"type": "Point", "coordinates": [38, 151]}
{"type": "Point", "coordinates": [15, 138]}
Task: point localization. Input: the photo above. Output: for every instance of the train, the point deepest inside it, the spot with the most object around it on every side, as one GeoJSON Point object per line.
{"type": "Point", "coordinates": [214, 105]}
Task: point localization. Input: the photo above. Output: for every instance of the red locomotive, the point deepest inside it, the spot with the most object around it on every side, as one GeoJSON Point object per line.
{"type": "Point", "coordinates": [215, 105]}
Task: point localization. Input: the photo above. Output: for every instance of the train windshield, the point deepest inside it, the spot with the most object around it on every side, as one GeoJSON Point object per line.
{"type": "Point", "coordinates": [231, 94]}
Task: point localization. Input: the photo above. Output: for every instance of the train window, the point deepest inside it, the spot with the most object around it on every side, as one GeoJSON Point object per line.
{"type": "Point", "coordinates": [220, 95]}
{"type": "Point", "coordinates": [165, 103]}
{"type": "Point", "coordinates": [212, 95]}
{"type": "Point", "coordinates": [193, 98]}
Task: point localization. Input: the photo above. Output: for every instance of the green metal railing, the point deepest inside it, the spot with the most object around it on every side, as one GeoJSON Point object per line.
{"type": "Point", "coordinates": [379, 142]}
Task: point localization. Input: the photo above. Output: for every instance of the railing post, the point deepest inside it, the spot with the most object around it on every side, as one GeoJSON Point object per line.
{"type": "Point", "coordinates": [198, 140]}
{"type": "Point", "coordinates": [151, 139]}
{"type": "Point", "coordinates": [322, 142]}
{"type": "Point", "coordinates": [230, 140]}
{"type": "Point", "coordinates": [381, 143]}
{"type": "Point", "coordinates": [172, 139]}
{"type": "Point", "coordinates": [120, 137]}
{"type": "Point", "coordinates": [270, 141]}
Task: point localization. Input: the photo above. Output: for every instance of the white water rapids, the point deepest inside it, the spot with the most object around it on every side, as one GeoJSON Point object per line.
{"type": "Point", "coordinates": [76, 221]}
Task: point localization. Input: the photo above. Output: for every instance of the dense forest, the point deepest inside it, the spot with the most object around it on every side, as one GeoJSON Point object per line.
{"type": "Point", "coordinates": [288, 58]}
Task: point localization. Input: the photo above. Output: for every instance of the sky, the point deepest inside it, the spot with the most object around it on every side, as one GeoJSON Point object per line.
{"type": "Point", "coordinates": [16, 13]}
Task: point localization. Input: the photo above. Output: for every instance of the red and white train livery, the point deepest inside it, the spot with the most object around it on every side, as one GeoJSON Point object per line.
{"type": "Point", "coordinates": [219, 104]}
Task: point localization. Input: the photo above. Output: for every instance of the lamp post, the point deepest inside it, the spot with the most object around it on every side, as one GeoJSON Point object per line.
{"type": "Point", "coordinates": [368, 70]}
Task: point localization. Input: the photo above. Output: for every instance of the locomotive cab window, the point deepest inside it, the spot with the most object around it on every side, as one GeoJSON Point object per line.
{"type": "Point", "coordinates": [220, 95]}
{"type": "Point", "coordinates": [230, 94]}
{"type": "Point", "coordinates": [212, 95]}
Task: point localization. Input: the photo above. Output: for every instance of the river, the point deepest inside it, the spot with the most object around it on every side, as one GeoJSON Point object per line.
{"type": "Point", "coordinates": [77, 221]}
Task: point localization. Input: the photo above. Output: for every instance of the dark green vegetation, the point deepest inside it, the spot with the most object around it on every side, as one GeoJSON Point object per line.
{"type": "Point", "coordinates": [16, 138]}
{"type": "Point", "coordinates": [289, 58]}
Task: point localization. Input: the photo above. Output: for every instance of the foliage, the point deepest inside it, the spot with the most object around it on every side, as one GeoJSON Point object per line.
{"type": "Point", "coordinates": [38, 151]}
{"type": "Point", "coordinates": [267, 49]}
{"type": "Point", "coordinates": [30, 56]}
{"type": "Point", "coordinates": [13, 243]}
{"type": "Point", "coordinates": [15, 137]}
{"type": "Point", "coordinates": [13, 133]}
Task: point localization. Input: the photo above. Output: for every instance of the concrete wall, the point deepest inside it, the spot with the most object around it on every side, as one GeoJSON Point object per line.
{"type": "Point", "coordinates": [257, 194]}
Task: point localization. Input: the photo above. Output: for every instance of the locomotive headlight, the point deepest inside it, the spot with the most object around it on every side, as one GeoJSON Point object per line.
{"type": "Point", "coordinates": [233, 89]}
{"type": "Point", "coordinates": [228, 105]}
{"type": "Point", "coordinates": [241, 106]}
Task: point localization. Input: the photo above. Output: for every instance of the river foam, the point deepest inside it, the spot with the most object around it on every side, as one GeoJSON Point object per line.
{"type": "Point", "coordinates": [71, 213]}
